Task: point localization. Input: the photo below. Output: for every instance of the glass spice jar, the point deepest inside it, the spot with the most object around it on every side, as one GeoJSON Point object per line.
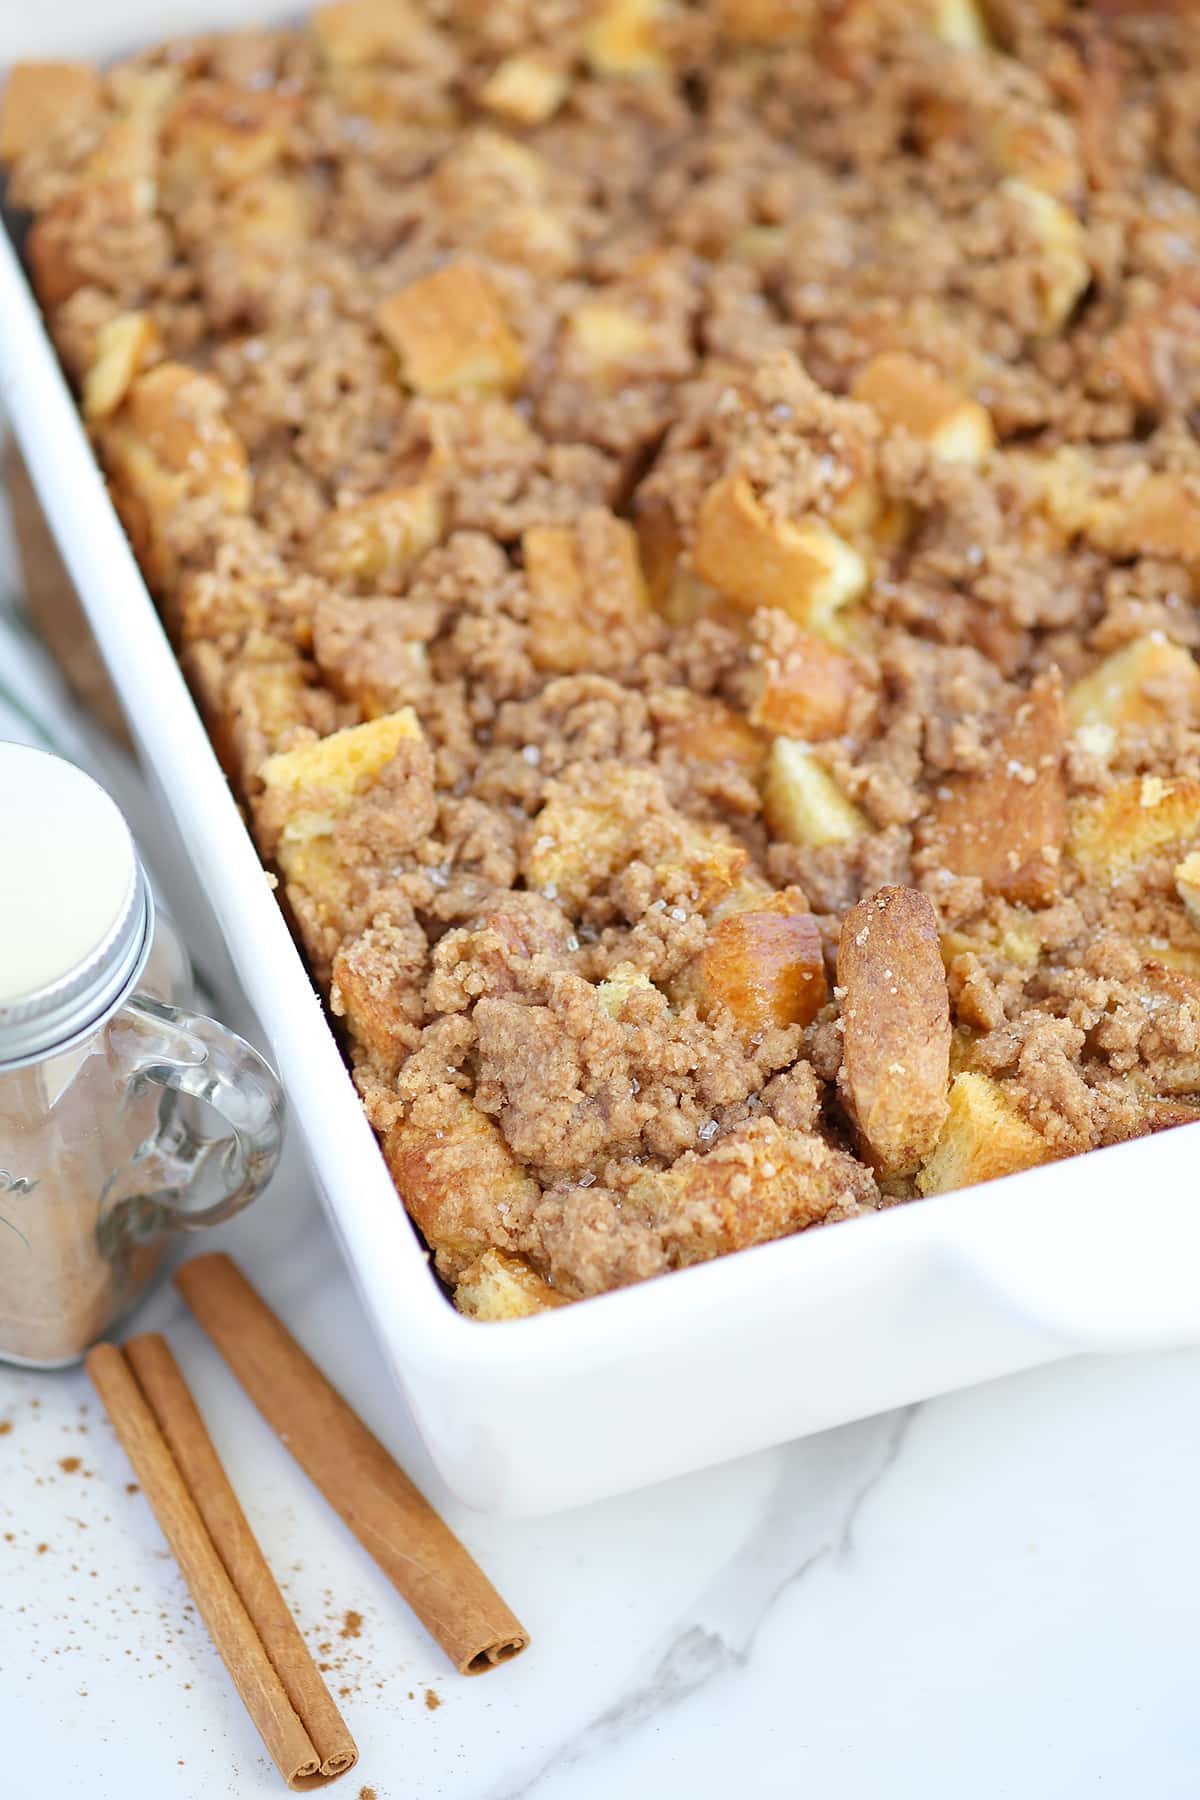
{"type": "Point", "coordinates": [124, 1117]}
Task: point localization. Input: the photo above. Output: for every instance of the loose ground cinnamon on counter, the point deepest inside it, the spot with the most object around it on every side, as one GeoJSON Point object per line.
{"type": "Point", "coordinates": [166, 1442]}
{"type": "Point", "coordinates": [415, 1549]}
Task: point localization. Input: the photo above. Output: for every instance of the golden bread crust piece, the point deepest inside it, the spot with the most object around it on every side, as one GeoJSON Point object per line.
{"type": "Point", "coordinates": [763, 1181]}
{"type": "Point", "coordinates": [895, 1010]}
{"type": "Point", "coordinates": [125, 345]}
{"type": "Point", "coordinates": [378, 540]}
{"type": "Point", "coordinates": [1187, 885]}
{"type": "Point", "coordinates": [39, 99]}
{"type": "Point", "coordinates": [450, 332]}
{"type": "Point", "coordinates": [335, 812]}
{"type": "Point", "coordinates": [752, 559]}
{"type": "Point", "coordinates": [1146, 682]}
{"type": "Point", "coordinates": [806, 689]}
{"type": "Point", "coordinates": [802, 803]}
{"type": "Point", "coordinates": [622, 38]}
{"type": "Point", "coordinates": [223, 135]}
{"type": "Point", "coordinates": [1006, 824]}
{"type": "Point", "coordinates": [357, 34]}
{"type": "Point", "coordinates": [907, 393]}
{"type": "Point", "coordinates": [764, 965]}
{"type": "Point", "coordinates": [503, 1287]}
{"type": "Point", "coordinates": [604, 817]}
{"type": "Point", "coordinates": [171, 441]}
{"type": "Point", "coordinates": [527, 88]}
{"type": "Point", "coordinates": [1111, 833]}
{"type": "Point", "coordinates": [700, 729]}
{"type": "Point", "coordinates": [459, 1180]}
{"type": "Point", "coordinates": [586, 593]}
{"type": "Point", "coordinates": [984, 1137]}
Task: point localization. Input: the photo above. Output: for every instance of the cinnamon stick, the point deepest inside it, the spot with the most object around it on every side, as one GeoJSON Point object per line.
{"type": "Point", "coordinates": [179, 1420]}
{"type": "Point", "coordinates": [217, 1600]}
{"type": "Point", "coordinates": [389, 1516]}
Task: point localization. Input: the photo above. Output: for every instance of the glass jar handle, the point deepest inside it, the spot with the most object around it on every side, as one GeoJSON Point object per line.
{"type": "Point", "coordinates": [180, 1178]}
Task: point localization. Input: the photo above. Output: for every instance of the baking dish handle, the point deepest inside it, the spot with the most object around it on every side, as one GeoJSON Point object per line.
{"type": "Point", "coordinates": [1103, 1252]}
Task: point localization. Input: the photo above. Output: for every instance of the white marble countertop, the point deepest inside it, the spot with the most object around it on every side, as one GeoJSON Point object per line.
{"type": "Point", "coordinates": [993, 1594]}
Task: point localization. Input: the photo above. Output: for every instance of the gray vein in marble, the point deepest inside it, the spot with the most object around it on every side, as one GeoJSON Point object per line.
{"type": "Point", "coordinates": [810, 1517]}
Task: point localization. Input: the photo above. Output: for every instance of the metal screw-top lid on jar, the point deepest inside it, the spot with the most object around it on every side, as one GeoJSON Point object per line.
{"type": "Point", "coordinates": [76, 916]}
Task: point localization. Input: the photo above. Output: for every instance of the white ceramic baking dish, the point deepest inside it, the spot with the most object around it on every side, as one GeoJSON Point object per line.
{"type": "Point", "coordinates": [1099, 1253]}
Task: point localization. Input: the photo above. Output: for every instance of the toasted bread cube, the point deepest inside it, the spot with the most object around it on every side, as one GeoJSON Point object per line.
{"type": "Point", "coordinates": [908, 393]}
{"type": "Point", "coordinates": [1065, 271]}
{"type": "Point", "coordinates": [1187, 886]}
{"type": "Point", "coordinates": [1160, 516]}
{"type": "Point", "coordinates": [622, 38]}
{"type": "Point", "coordinates": [533, 236]}
{"type": "Point", "coordinates": [458, 1179]}
{"type": "Point", "coordinates": [224, 134]}
{"type": "Point", "coordinates": [378, 539]}
{"type": "Point", "coordinates": [615, 989]}
{"type": "Point", "coordinates": [1006, 822]}
{"type": "Point", "coordinates": [306, 792]}
{"type": "Point", "coordinates": [1180, 952]}
{"type": "Point", "coordinates": [802, 802]}
{"type": "Point", "coordinates": [1162, 519]}
{"type": "Point", "coordinates": [1145, 682]}
{"type": "Point", "coordinates": [488, 169]}
{"type": "Point", "coordinates": [258, 701]}
{"type": "Point", "coordinates": [269, 212]}
{"type": "Point", "coordinates": [1037, 153]}
{"type": "Point", "coordinates": [1068, 489]}
{"type": "Point", "coordinates": [378, 988]}
{"type": "Point", "coordinates": [351, 34]}
{"type": "Point", "coordinates": [585, 585]}
{"type": "Point", "coordinates": [251, 711]}
{"type": "Point", "coordinates": [959, 23]}
{"type": "Point", "coordinates": [766, 22]}
{"type": "Point", "coordinates": [609, 337]}
{"type": "Point", "coordinates": [801, 566]}
{"type": "Point", "coordinates": [1017, 941]}
{"type": "Point", "coordinates": [593, 825]}
{"type": "Point", "coordinates": [127, 154]}
{"type": "Point", "coordinates": [763, 1181]}
{"type": "Point", "coordinates": [39, 99]}
{"type": "Point", "coordinates": [179, 414]}
{"type": "Point", "coordinates": [527, 88]}
{"type": "Point", "coordinates": [806, 690]}
{"type": "Point", "coordinates": [124, 347]}
{"type": "Point", "coordinates": [983, 1138]}
{"type": "Point", "coordinates": [763, 965]}
{"type": "Point", "coordinates": [895, 1026]}
{"type": "Point", "coordinates": [170, 441]}
{"type": "Point", "coordinates": [699, 728]}
{"type": "Point", "coordinates": [503, 1287]}
{"type": "Point", "coordinates": [1109, 835]}
{"type": "Point", "coordinates": [316, 783]}
{"type": "Point", "coordinates": [450, 332]}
